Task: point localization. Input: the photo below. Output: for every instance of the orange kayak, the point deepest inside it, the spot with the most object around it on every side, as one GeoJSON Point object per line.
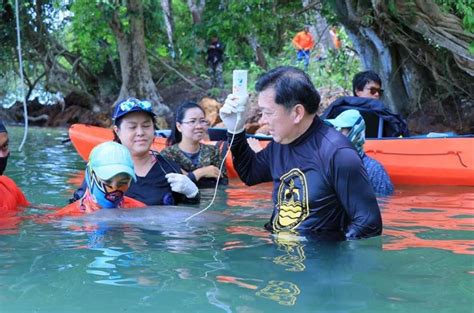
{"type": "Point", "coordinates": [408, 161]}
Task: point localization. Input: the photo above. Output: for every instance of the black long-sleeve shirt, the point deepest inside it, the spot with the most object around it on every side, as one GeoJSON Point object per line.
{"type": "Point", "coordinates": [319, 183]}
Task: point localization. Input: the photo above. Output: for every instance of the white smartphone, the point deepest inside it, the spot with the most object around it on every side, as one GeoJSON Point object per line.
{"type": "Point", "coordinates": [239, 82]}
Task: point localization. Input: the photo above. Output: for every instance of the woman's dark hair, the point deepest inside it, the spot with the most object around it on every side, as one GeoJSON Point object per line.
{"type": "Point", "coordinates": [292, 86]}
{"type": "Point", "coordinates": [175, 136]}
{"type": "Point", "coordinates": [118, 122]}
{"type": "Point", "coordinates": [363, 78]}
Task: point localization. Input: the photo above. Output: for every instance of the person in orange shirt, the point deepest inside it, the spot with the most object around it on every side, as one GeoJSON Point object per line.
{"type": "Point", "coordinates": [108, 175]}
{"type": "Point", "coordinates": [304, 43]}
{"type": "Point", "coordinates": [11, 196]}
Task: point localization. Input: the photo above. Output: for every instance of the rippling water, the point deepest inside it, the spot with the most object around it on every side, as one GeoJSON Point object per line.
{"type": "Point", "coordinates": [226, 261]}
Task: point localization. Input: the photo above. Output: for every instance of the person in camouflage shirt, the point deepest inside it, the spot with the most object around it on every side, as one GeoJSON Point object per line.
{"type": "Point", "coordinates": [200, 161]}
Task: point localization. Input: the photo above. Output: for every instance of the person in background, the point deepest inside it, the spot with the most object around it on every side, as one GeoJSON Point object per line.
{"type": "Point", "coordinates": [335, 38]}
{"type": "Point", "coordinates": [367, 85]}
{"type": "Point", "coordinates": [108, 175]}
{"type": "Point", "coordinates": [11, 197]}
{"type": "Point", "coordinates": [215, 61]}
{"type": "Point", "coordinates": [351, 124]}
{"type": "Point", "coordinates": [159, 181]}
{"type": "Point", "coordinates": [201, 162]}
{"type": "Point", "coordinates": [367, 89]}
{"type": "Point", "coordinates": [304, 43]}
{"type": "Point", "coordinates": [320, 185]}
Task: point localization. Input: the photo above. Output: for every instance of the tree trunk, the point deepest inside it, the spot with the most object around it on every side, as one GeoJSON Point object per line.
{"type": "Point", "coordinates": [258, 51]}
{"type": "Point", "coordinates": [402, 45]}
{"type": "Point", "coordinates": [168, 16]}
{"type": "Point", "coordinates": [196, 7]}
{"type": "Point", "coordinates": [135, 70]}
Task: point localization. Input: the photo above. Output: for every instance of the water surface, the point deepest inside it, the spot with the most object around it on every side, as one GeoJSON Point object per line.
{"type": "Point", "coordinates": [227, 262]}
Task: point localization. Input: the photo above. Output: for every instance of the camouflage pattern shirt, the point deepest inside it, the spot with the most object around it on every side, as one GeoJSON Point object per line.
{"type": "Point", "coordinates": [208, 155]}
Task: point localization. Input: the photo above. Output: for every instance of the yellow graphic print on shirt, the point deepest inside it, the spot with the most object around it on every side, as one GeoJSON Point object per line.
{"type": "Point", "coordinates": [292, 203]}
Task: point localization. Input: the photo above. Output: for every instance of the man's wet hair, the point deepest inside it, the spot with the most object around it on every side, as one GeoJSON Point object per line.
{"type": "Point", "coordinates": [363, 78]}
{"type": "Point", "coordinates": [292, 86]}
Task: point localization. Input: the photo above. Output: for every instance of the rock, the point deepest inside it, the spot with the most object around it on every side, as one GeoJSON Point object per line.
{"type": "Point", "coordinates": [211, 108]}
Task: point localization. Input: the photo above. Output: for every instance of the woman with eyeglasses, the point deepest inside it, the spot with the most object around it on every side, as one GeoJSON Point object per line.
{"type": "Point", "coordinates": [159, 181]}
{"type": "Point", "coordinates": [201, 162]}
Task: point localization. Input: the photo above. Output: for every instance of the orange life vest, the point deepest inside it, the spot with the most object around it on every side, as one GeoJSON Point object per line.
{"type": "Point", "coordinates": [11, 196]}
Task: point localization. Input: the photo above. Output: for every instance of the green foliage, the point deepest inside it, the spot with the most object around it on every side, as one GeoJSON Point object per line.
{"type": "Point", "coordinates": [86, 32]}
{"type": "Point", "coordinates": [334, 71]}
{"type": "Point", "coordinates": [462, 9]}
{"type": "Point", "coordinates": [91, 35]}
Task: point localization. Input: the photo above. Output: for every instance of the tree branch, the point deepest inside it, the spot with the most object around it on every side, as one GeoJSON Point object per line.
{"type": "Point", "coordinates": [174, 70]}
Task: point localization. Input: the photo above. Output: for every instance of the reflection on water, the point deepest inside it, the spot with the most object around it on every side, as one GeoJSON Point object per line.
{"type": "Point", "coordinates": [230, 264]}
{"type": "Point", "coordinates": [440, 218]}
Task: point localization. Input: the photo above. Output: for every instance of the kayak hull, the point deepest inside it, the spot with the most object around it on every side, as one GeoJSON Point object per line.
{"type": "Point", "coordinates": [408, 161]}
{"type": "Point", "coordinates": [426, 161]}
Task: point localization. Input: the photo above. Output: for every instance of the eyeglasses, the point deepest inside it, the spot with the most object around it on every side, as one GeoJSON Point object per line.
{"type": "Point", "coordinates": [374, 90]}
{"type": "Point", "coordinates": [131, 103]}
{"type": "Point", "coordinates": [196, 122]}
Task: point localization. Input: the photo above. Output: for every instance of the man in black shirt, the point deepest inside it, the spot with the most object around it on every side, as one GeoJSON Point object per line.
{"type": "Point", "coordinates": [320, 185]}
{"type": "Point", "coordinates": [215, 59]}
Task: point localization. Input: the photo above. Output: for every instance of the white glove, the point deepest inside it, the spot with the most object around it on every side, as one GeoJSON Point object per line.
{"type": "Point", "coordinates": [182, 184]}
{"type": "Point", "coordinates": [233, 113]}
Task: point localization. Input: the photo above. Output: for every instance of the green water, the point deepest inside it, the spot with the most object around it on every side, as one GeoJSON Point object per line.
{"type": "Point", "coordinates": [422, 263]}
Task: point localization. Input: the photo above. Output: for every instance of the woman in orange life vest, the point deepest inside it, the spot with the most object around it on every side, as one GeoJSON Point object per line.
{"type": "Point", "coordinates": [108, 175]}
{"type": "Point", "coordinates": [11, 196]}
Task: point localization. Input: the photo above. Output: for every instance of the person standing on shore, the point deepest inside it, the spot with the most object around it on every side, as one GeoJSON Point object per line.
{"type": "Point", "coordinates": [304, 43]}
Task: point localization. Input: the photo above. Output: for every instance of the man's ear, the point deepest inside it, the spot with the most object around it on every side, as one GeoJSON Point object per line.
{"type": "Point", "coordinates": [298, 113]}
{"type": "Point", "coordinates": [116, 129]}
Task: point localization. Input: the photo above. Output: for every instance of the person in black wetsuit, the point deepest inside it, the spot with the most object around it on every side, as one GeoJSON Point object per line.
{"type": "Point", "coordinates": [159, 181]}
{"type": "Point", "coordinates": [320, 185]}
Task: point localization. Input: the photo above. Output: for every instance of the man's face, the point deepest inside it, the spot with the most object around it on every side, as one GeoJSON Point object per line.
{"type": "Point", "coordinates": [371, 90]}
{"type": "Point", "coordinates": [4, 145]}
{"type": "Point", "coordinates": [279, 120]}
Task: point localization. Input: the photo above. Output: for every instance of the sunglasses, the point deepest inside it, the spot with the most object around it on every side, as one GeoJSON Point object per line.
{"type": "Point", "coordinates": [374, 90]}
{"type": "Point", "coordinates": [131, 103]}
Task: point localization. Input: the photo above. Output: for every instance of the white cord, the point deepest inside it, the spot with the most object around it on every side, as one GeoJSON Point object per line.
{"type": "Point", "coordinates": [22, 83]}
{"type": "Point", "coordinates": [220, 171]}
